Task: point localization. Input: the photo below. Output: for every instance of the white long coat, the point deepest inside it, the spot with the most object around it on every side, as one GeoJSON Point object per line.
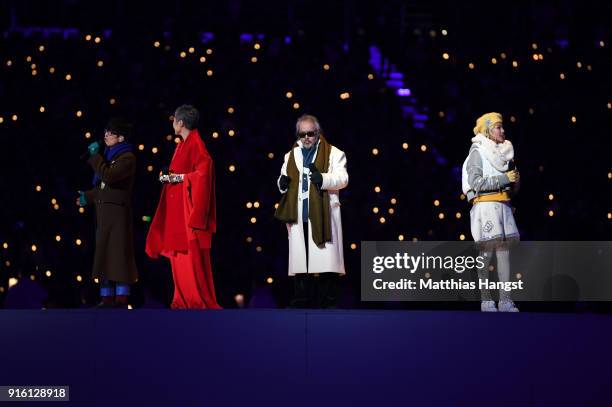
{"type": "Point", "coordinates": [329, 257]}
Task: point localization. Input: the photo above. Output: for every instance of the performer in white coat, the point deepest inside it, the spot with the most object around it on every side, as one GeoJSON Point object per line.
{"type": "Point", "coordinates": [489, 181]}
{"type": "Point", "coordinates": [312, 174]}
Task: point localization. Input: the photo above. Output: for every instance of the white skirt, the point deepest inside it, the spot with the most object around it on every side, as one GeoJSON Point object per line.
{"type": "Point", "coordinates": [492, 221]}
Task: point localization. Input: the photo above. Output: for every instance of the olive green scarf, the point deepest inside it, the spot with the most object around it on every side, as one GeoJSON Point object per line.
{"type": "Point", "coordinates": [318, 202]}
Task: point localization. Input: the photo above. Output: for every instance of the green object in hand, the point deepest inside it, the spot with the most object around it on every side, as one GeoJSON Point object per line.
{"type": "Point", "coordinates": [82, 199]}
{"type": "Point", "coordinates": [94, 148]}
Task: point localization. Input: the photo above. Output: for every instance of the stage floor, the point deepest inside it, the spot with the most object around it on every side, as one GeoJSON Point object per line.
{"type": "Point", "coordinates": [314, 358]}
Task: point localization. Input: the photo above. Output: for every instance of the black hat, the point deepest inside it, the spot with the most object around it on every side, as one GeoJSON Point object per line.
{"type": "Point", "coordinates": [119, 126]}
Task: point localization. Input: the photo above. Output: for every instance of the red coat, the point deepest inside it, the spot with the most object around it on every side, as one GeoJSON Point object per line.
{"type": "Point", "coordinates": [186, 211]}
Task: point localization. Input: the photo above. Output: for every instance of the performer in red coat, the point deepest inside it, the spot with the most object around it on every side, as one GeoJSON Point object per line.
{"type": "Point", "coordinates": [186, 218]}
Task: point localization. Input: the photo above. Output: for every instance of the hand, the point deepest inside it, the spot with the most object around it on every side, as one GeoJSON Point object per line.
{"type": "Point", "coordinates": [513, 176]}
{"type": "Point", "coordinates": [284, 182]}
{"type": "Point", "coordinates": [81, 200]}
{"type": "Point", "coordinates": [94, 148]}
{"type": "Point", "coordinates": [175, 178]}
{"type": "Point", "coordinates": [164, 178]}
{"type": "Point", "coordinates": [316, 178]}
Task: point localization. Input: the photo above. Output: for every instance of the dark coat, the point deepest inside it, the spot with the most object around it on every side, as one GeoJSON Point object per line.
{"type": "Point", "coordinates": [114, 257]}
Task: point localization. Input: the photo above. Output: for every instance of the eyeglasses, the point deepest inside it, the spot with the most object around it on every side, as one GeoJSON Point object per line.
{"type": "Point", "coordinates": [312, 133]}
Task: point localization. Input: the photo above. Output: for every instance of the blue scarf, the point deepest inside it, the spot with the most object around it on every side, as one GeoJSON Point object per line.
{"type": "Point", "coordinates": [109, 155]}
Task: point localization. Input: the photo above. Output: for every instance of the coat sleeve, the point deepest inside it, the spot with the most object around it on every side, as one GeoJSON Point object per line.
{"type": "Point", "coordinates": [123, 167]}
{"type": "Point", "coordinates": [477, 181]}
{"type": "Point", "coordinates": [202, 189]}
{"type": "Point", "coordinates": [283, 172]}
{"type": "Point", "coordinates": [337, 176]}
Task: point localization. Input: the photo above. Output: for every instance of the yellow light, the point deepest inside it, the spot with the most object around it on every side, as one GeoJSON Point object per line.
{"type": "Point", "coordinates": [14, 117]}
{"type": "Point", "coordinates": [56, 207]}
{"type": "Point", "coordinates": [445, 55]}
{"type": "Point", "coordinates": [377, 189]}
{"type": "Point", "coordinates": [34, 72]}
{"type": "Point", "coordinates": [400, 238]}
{"type": "Point", "coordinates": [41, 48]}
{"type": "Point", "coordinates": [32, 277]}
{"type": "Point", "coordinates": [375, 209]}
{"type": "Point", "coordinates": [97, 40]}
{"type": "Point", "coordinates": [53, 201]}
{"type": "Point", "coordinates": [326, 67]}
{"type": "Point", "coordinates": [276, 205]}
{"type": "Point", "coordinates": [551, 197]}
{"type": "Point", "coordinates": [169, 137]}
{"type": "Point", "coordinates": [79, 278]}
{"type": "Point", "coordinates": [296, 105]}
{"type": "Point", "coordinates": [141, 147]}
{"type": "Point", "coordinates": [391, 211]}
{"type": "Point", "coordinates": [345, 95]}
{"type": "Point", "coordinates": [215, 134]}
{"type": "Point", "coordinates": [573, 119]}
{"type": "Point", "coordinates": [353, 246]}
{"type": "Point", "coordinates": [177, 140]}
{"type": "Point", "coordinates": [609, 215]}
{"type": "Point", "coordinates": [503, 55]}
{"type": "Point", "coordinates": [269, 280]}
{"type": "Point", "coordinates": [12, 282]}
{"type": "Point", "coordinates": [444, 32]}
{"type": "Point", "coordinates": [33, 66]}
{"type": "Point", "coordinates": [375, 151]}
{"type": "Point", "coordinates": [289, 95]}
{"type": "Point", "coordinates": [232, 168]}
{"type": "Point", "coordinates": [441, 215]}
{"type": "Point", "coordinates": [81, 210]}
{"type": "Point", "coordinates": [512, 119]}
{"type": "Point", "coordinates": [150, 168]}
{"type": "Point", "coordinates": [270, 155]}
{"type": "Point", "coordinates": [493, 61]}
{"type": "Point", "coordinates": [79, 113]}
{"type": "Point", "coordinates": [183, 54]}
{"type": "Point", "coordinates": [42, 109]}
{"type": "Point", "coordinates": [48, 273]}
{"type": "Point", "coordinates": [68, 77]}
{"type": "Point", "coordinates": [441, 114]}
{"type": "Point", "coordinates": [230, 110]}
{"type": "Point", "coordinates": [458, 215]}
{"type": "Point", "coordinates": [253, 59]}
{"type": "Point", "coordinates": [78, 242]}
{"type": "Point", "coordinates": [156, 44]}
{"type": "Point", "coordinates": [112, 101]}
{"type": "Point", "coordinates": [256, 46]}
{"type": "Point", "coordinates": [34, 248]}
{"type": "Point", "coordinates": [58, 238]}
{"type": "Point", "coordinates": [423, 147]}
{"type": "Point", "coordinates": [88, 37]}
{"type": "Point", "coordinates": [52, 70]}
{"type": "Point", "coordinates": [534, 46]}
{"type": "Point", "coordinates": [29, 58]}
{"type": "Point", "coordinates": [191, 50]}
{"type": "Point", "coordinates": [9, 63]}
{"type": "Point", "coordinates": [5, 245]}
{"type": "Point", "coordinates": [130, 306]}
{"type": "Point", "coordinates": [405, 146]}
{"type": "Point", "coordinates": [249, 205]}
{"type": "Point", "coordinates": [393, 201]}
{"type": "Point", "coordinates": [258, 249]}
{"type": "Point", "coordinates": [551, 213]}
{"type": "Point", "coordinates": [370, 76]}
{"type": "Point", "coordinates": [38, 188]}
{"type": "Point", "coordinates": [535, 57]}
{"type": "Point", "coordinates": [154, 150]}
{"type": "Point", "coordinates": [541, 57]}
{"type": "Point", "coordinates": [471, 65]}
{"type": "Point", "coordinates": [1, 119]}
{"type": "Point", "coordinates": [253, 219]}
{"type": "Point", "coordinates": [7, 263]}
{"type": "Point", "coordinates": [209, 51]}
{"type": "Point", "coordinates": [249, 239]}
{"type": "Point", "coordinates": [462, 237]}
{"type": "Point", "coordinates": [231, 133]}
{"type": "Point", "coordinates": [256, 204]}
{"type": "Point", "coordinates": [602, 44]}
{"type": "Point", "coordinates": [209, 72]}
{"type": "Point", "coordinates": [610, 175]}
{"type": "Point", "coordinates": [515, 64]}
{"type": "Point", "coordinates": [579, 64]}
{"type": "Point", "coordinates": [531, 111]}
{"type": "Point", "coordinates": [382, 219]}
{"type": "Point", "coordinates": [202, 59]}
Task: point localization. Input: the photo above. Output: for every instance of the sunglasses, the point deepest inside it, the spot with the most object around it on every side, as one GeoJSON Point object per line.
{"type": "Point", "coordinates": [303, 134]}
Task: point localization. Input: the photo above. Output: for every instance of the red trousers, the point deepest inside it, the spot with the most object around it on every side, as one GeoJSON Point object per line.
{"type": "Point", "coordinates": [193, 280]}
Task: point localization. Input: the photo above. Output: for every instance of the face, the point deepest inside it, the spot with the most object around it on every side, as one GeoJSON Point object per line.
{"type": "Point", "coordinates": [497, 133]}
{"type": "Point", "coordinates": [306, 126]}
{"type": "Point", "coordinates": [177, 125]}
{"type": "Point", "coordinates": [110, 139]}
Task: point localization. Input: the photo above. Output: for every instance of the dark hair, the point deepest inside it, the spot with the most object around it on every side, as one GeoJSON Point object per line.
{"type": "Point", "coordinates": [120, 126]}
{"type": "Point", "coordinates": [189, 115]}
